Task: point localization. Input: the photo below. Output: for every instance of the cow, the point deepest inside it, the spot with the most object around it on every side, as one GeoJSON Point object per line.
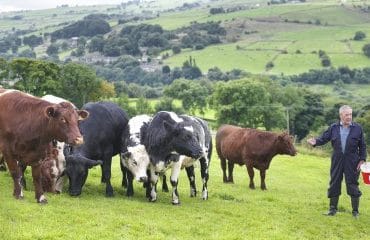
{"type": "Point", "coordinates": [136, 158]}
{"type": "Point", "coordinates": [251, 147]}
{"type": "Point", "coordinates": [166, 138]}
{"type": "Point", "coordinates": [104, 133]}
{"type": "Point", "coordinates": [27, 125]}
{"type": "Point", "coordinates": [204, 138]}
{"type": "Point", "coordinates": [61, 162]}
{"type": "Point", "coordinates": [49, 169]}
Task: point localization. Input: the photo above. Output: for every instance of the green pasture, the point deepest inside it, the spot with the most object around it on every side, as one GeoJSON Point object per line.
{"type": "Point", "coordinates": [291, 208]}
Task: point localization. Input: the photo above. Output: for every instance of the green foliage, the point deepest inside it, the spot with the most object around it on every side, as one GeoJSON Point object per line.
{"type": "Point", "coordinates": [36, 77]}
{"type": "Point", "coordinates": [143, 106]}
{"type": "Point", "coordinates": [79, 83]}
{"type": "Point", "coordinates": [240, 102]}
{"type": "Point", "coordinates": [192, 94]}
{"type": "Point", "coordinates": [52, 49]}
{"type": "Point", "coordinates": [85, 27]}
{"type": "Point", "coordinates": [167, 104]}
{"type": "Point", "coordinates": [366, 50]}
{"type": "Point", "coordinates": [365, 123]}
{"type": "Point", "coordinates": [32, 41]}
{"type": "Point", "coordinates": [359, 35]}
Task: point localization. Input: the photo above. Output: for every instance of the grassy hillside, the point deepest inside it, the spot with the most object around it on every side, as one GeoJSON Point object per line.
{"type": "Point", "coordinates": [291, 208]}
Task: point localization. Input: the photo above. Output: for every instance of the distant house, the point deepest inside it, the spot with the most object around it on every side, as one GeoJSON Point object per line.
{"type": "Point", "coordinates": [73, 42]}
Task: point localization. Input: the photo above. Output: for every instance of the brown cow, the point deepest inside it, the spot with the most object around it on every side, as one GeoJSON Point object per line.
{"type": "Point", "coordinates": [49, 170]}
{"type": "Point", "coordinates": [251, 147]}
{"type": "Point", "coordinates": [27, 125]}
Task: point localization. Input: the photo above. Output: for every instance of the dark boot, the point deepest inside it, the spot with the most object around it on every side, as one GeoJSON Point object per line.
{"type": "Point", "coordinates": [355, 201]}
{"type": "Point", "coordinates": [333, 206]}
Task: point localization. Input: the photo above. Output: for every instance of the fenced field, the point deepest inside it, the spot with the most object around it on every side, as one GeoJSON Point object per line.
{"type": "Point", "coordinates": [291, 208]}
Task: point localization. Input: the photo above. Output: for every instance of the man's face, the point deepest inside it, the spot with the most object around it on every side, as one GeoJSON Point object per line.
{"type": "Point", "coordinates": [346, 117]}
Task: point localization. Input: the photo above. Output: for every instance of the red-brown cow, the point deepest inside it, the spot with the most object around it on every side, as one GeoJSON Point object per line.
{"type": "Point", "coordinates": [251, 147]}
{"type": "Point", "coordinates": [27, 125]}
{"type": "Point", "coordinates": [49, 170]}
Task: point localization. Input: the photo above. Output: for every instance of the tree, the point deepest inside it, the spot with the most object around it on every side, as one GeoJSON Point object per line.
{"type": "Point", "coordinates": [366, 50]}
{"type": "Point", "coordinates": [143, 106]}
{"type": "Point", "coordinates": [96, 44]}
{"type": "Point", "coordinates": [52, 49]}
{"type": "Point", "coordinates": [176, 49]}
{"type": "Point", "coordinates": [240, 102]}
{"type": "Point", "coordinates": [192, 94]}
{"type": "Point", "coordinates": [32, 41]}
{"type": "Point", "coordinates": [79, 83]}
{"type": "Point", "coordinates": [359, 35]}
{"type": "Point", "coordinates": [35, 76]}
{"type": "Point", "coordinates": [190, 69]}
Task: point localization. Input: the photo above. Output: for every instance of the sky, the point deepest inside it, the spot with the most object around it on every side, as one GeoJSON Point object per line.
{"type": "Point", "coordinates": [15, 5]}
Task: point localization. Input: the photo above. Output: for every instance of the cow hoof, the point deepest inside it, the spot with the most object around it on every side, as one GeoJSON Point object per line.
{"type": "Point", "coordinates": [42, 200]}
{"type": "Point", "coordinates": [252, 187]}
{"type": "Point", "coordinates": [176, 203]}
{"type": "Point", "coordinates": [109, 195]}
{"type": "Point", "coordinates": [263, 188]}
{"type": "Point", "coordinates": [152, 200]}
{"type": "Point", "coordinates": [165, 190]}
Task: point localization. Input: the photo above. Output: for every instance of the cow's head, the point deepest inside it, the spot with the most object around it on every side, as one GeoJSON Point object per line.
{"type": "Point", "coordinates": [63, 122]}
{"type": "Point", "coordinates": [77, 169]}
{"type": "Point", "coordinates": [136, 159]}
{"type": "Point", "coordinates": [285, 144]}
{"type": "Point", "coordinates": [183, 139]}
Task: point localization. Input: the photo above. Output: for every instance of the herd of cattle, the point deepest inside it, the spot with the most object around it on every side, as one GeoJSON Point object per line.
{"type": "Point", "coordinates": [59, 141]}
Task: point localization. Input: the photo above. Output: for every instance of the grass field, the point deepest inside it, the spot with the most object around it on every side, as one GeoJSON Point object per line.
{"type": "Point", "coordinates": [291, 208]}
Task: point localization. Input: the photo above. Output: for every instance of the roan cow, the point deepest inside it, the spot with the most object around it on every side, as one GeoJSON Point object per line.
{"type": "Point", "coordinates": [251, 147]}
{"type": "Point", "coordinates": [166, 138]}
{"type": "Point", "coordinates": [27, 125]}
{"type": "Point", "coordinates": [104, 133]}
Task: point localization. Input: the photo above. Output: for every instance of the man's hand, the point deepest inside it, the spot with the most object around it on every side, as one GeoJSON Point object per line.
{"type": "Point", "coordinates": [311, 141]}
{"type": "Point", "coordinates": [359, 164]}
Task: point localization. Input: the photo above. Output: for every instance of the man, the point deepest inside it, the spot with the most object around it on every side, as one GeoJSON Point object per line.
{"type": "Point", "coordinates": [349, 152]}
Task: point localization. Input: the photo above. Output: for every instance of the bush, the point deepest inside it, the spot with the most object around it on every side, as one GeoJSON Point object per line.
{"type": "Point", "coordinates": [359, 35]}
{"type": "Point", "coordinates": [366, 50]}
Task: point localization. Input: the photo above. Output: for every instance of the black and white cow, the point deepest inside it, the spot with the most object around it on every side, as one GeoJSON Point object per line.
{"type": "Point", "coordinates": [136, 158]}
{"type": "Point", "coordinates": [104, 133]}
{"type": "Point", "coordinates": [166, 138]}
{"type": "Point", "coordinates": [203, 135]}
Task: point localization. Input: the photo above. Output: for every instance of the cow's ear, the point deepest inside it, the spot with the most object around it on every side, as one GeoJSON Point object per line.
{"type": "Point", "coordinates": [82, 114]}
{"type": "Point", "coordinates": [51, 111]}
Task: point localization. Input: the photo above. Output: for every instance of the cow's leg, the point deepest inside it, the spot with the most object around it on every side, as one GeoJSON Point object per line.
{"type": "Point", "coordinates": [106, 175]}
{"type": "Point", "coordinates": [130, 187]}
{"type": "Point", "coordinates": [251, 176]}
{"type": "Point", "coordinates": [124, 171]}
{"type": "Point", "coordinates": [23, 168]}
{"type": "Point", "coordinates": [223, 167]}
{"type": "Point", "coordinates": [36, 176]}
{"type": "Point", "coordinates": [191, 177]}
{"type": "Point", "coordinates": [176, 168]}
{"type": "Point", "coordinates": [231, 169]}
{"type": "Point", "coordinates": [16, 173]}
{"type": "Point", "coordinates": [204, 171]}
{"type": "Point", "coordinates": [152, 187]}
{"type": "Point", "coordinates": [164, 183]}
{"type": "Point", "coordinates": [102, 180]}
{"type": "Point", "coordinates": [263, 176]}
